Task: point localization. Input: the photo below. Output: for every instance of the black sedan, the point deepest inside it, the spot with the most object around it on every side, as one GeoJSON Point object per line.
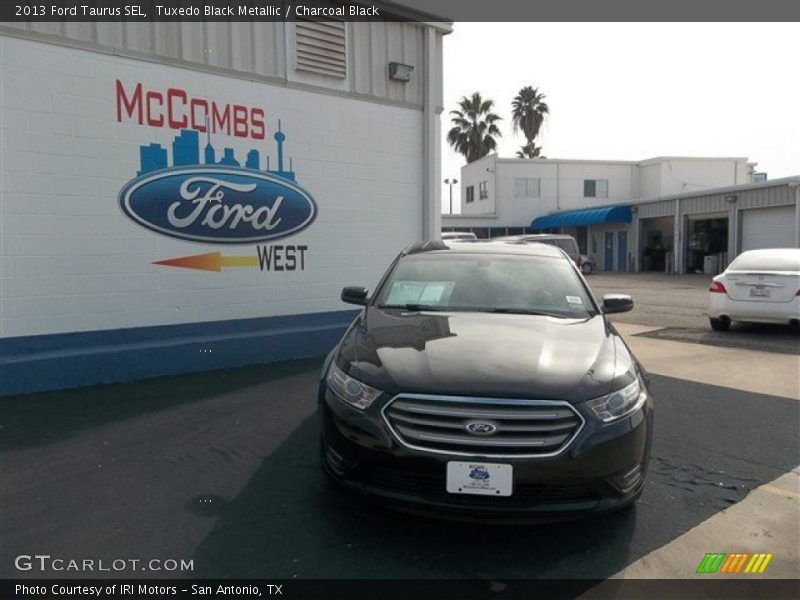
{"type": "Point", "coordinates": [483, 378]}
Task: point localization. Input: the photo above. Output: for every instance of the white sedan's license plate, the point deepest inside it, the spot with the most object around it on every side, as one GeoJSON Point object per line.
{"type": "Point", "coordinates": [759, 292]}
{"type": "Point", "coordinates": [486, 479]}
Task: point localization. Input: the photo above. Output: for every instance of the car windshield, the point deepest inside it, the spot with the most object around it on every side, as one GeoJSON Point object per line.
{"type": "Point", "coordinates": [486, 283]}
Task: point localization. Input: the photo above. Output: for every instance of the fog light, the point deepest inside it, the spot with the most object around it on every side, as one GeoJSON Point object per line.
{"type": "Point", "coordinates": [338, 463]}
{"type": "Point", "coordinates": [625, 482]}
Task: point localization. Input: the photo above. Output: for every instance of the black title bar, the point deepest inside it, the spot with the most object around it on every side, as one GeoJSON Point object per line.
{"type": "Point", "coordinates": [405, 589]}
{"type": "Point", "coordinates": [400, 10]}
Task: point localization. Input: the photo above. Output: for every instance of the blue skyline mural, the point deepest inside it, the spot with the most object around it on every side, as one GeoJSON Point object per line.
{"type": "Point", "coordinates": [186, 152]}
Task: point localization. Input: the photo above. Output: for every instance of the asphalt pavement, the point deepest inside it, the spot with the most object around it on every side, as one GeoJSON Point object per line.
{"type": "Point", "coordinates": [676, 305]}
{"type": "Point", "coordinates": [222, 468]}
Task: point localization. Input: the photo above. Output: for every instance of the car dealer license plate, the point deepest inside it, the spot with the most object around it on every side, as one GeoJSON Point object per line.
{"type": "Point", "coordinates": [759, 292]}
{"type": "Point", "coordinates": [485, 479]}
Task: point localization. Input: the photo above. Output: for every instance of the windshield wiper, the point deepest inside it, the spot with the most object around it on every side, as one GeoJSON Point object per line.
{"type": "Point", "coordinates": [413, 306]}
{"type": "Point", "coordinates": [525, 311]}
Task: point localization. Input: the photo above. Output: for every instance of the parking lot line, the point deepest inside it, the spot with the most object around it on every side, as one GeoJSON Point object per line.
{"type": "Point", "coordinates": [747, 370]}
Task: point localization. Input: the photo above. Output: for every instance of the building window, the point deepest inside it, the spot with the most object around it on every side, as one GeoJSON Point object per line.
{"type": "Point", "coordinates": [527, 188]}
{"type": "Point", "coordinates": [484, 190]}
{"type": "Point", "coordinates": [595, 188]}
{"type": "Point", "coordinates": [321, 47]}
{"type": "Point", "coordinates": [470, 193]}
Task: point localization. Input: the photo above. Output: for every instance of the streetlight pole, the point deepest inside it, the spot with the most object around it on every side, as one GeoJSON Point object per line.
{"type": "Point", "coordinates": [451, 183]}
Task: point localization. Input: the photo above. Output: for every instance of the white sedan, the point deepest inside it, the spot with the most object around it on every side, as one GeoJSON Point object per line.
{"type": "Point", "coordinates": [759, 286]}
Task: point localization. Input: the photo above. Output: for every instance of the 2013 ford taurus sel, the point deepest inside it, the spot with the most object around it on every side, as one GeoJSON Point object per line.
{"type": "Point", "coordinates": [483, 378]}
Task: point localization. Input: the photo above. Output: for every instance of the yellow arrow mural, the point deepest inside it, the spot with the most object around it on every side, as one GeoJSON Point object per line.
{"type": "Point", "coordinates": [213, 261]}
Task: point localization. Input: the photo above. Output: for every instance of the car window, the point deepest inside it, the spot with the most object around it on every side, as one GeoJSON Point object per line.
{"type": "Point", "coordinates": [459, 236]}
{"type": "Point", "coordinates": [487, 282]}
{"type": "Point", "coordinates": [568, 246]}
{"type": "Point", "coordinates": [766, 262]}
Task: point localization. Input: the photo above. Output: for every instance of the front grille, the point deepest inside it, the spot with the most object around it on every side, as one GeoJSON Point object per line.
{"type": "Point", "coordinates": [517, 428]}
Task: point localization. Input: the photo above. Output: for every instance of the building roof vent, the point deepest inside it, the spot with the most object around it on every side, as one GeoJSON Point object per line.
{"type": "Point", "coordinates": [321, 47]}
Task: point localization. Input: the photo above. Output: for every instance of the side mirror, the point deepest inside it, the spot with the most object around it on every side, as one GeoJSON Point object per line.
{"type": "Point", "coordinates": [617, 303]}
{"type": "Point", "coordinates": [355, 295]}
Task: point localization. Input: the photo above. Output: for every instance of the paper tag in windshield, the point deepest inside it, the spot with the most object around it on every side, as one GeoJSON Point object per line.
{"type": "Point", "coordinates": [423, 292]}
{"type": "Point", "coordinates": [574, 300]}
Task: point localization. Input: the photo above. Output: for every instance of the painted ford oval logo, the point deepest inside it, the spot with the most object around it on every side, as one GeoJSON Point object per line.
{"type": "Point", "coordinates": [480, 428]}
{"type": "Point", "coordinates": [218, 205]}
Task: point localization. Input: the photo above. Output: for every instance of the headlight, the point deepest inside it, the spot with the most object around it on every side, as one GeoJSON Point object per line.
{"type": "Point", "coordinates": [618, 404]}
{"type": "Point", "coordinates": [351, 390]}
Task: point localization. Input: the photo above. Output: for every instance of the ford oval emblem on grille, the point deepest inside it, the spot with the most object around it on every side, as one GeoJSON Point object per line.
{"type": "Point", "coordinates": [480, 428]}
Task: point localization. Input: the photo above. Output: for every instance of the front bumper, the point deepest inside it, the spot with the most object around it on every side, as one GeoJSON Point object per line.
{"type": "Point", "coordinates": [601, 470]}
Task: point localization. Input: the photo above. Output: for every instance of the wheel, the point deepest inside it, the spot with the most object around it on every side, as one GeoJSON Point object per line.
{"type": "Point", "coordinates": [586, 268]}
{"type": "Point", "coordinates": [719, 324]}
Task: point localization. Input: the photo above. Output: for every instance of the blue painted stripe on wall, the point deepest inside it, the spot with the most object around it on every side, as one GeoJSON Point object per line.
{"type": "Point", "coordinates": [67, 360]}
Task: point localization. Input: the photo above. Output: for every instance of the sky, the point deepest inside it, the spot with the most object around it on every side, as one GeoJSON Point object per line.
{"type": "Point", "coordinates": [631, 91]}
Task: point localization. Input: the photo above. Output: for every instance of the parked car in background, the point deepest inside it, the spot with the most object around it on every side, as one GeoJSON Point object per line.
{"type": "Point", "coordinates": [484, 379]}
{"type": "Point", "coordinates": [759, 286]}
{"type": "Point", "coordinates": [458, 235]}
{"type": "Point", "coordinates": [566, 242]}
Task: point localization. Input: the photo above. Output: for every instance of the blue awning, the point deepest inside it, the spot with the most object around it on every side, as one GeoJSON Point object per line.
{"type": "Point", "coordinates": [588, 216]}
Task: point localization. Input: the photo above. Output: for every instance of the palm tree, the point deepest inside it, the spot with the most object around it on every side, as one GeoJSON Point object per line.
{"type": "Point", "coordinates": [530, 150]}
{"type": "Point", "coordinates": [527, 113]}
{"type": "Point", "coordinates": [475, 128]}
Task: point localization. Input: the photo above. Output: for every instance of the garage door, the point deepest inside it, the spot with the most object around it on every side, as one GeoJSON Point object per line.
{"type": "Point", "coordinates": [768, 228]}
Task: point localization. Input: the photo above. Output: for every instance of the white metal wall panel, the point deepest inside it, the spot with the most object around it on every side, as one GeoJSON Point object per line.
{"type": "Point", "coordinates": [704, 204]}
{"type": "Point", "coordinates": [260, 48]}
{"type": "Point", "coordinates": [768, 228]}
{"type": "Point", "coordinates": [766, 196]}
{"type": "Point", "coordinates": [664, 208]}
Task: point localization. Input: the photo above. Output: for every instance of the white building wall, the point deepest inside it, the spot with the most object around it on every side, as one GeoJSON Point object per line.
{"type": "Point", "coordinates": [573, 174]}
{"type": "Point", "coordinates": [561, 188]}
{"type": "Point", "coordinates": [515, 211]}
{"type": "Point", "coordinates": [650, 183]}
{"type": "Point", "coordinates": [72, 261]}
{"type": "Point", "coordinates": [472, 175]}
{"type": "Point", "coordinates": [562, 181]}
{"type": "Point", "coordinates": [682, 175]}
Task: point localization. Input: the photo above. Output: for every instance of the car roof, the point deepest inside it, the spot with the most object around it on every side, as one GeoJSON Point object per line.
{"type": "Point", "coordinates": [493, 246]}
{"type": "Point", "coordinates": [782, 252]}
{"type": "Point", "coordinates": [537, 236]}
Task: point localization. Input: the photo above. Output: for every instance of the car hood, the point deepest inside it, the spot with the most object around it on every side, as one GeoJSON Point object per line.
{"type": "Point", "coordinates": [484, 354]}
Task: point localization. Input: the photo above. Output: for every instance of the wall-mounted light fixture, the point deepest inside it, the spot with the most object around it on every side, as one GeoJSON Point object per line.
{"type": "Point", "coordinates": [400, 72]}
{"type": "Point", "coordinates": [731, 198]}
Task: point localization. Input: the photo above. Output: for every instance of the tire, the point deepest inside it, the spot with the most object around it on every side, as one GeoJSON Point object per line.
{"type": "Point", "coordinates": [586, 268]}
{"type": "Point", "coordinates": [719, 324]}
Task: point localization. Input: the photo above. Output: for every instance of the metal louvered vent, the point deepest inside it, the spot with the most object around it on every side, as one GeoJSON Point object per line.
{"type": "Point", "coordinates": [482, 426]}
{"type": "Point", "coordinates": [321, 48]}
